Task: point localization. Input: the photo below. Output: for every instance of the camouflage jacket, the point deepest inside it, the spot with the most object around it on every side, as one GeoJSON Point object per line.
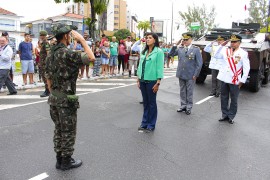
{"type": "Point", "coordinates": [62, 68]}
{"type": "Point", "coordinates": [45, 48]}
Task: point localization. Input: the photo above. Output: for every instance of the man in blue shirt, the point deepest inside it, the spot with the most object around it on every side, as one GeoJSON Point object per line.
{"type": "Point", "coordinates": [25, 51]}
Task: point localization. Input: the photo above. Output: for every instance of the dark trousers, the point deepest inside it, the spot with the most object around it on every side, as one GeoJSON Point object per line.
{"type": "Point", "coordinates": [215, 82]}
{"type": "Point", "coordinates": [149, 104]}
{"type": "Point", "coordinates": [5, 79]}
{"type": "Point", "coordinates": [229, 91]}
{"type": "Point", "coordinates": [121, 60]}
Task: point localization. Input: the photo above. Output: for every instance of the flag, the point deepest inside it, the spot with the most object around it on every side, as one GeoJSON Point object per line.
{"type": "Point", "coordinates": [245, 7]}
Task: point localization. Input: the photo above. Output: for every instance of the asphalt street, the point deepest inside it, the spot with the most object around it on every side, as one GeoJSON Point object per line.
{"type": "Point", "coordinates": [194, 147]}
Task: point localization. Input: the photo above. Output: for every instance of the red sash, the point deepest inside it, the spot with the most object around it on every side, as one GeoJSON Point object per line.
{"type": "Point", "coordinates": [233, 66]}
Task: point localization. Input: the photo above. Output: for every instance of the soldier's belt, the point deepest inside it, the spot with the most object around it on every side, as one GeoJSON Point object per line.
{"type": "Point", "coordinates": [70, 98]}
{"type": "Point", "coordinates": [59, 94]}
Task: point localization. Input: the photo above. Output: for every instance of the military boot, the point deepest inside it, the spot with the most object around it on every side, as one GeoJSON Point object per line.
{"type": "Point", "coordinates": [135, 73]}
{"type": "Point", "coordinates": [129, 73]}
{"type": "Point", "coordinates": [69, 163]}
{"type": "Point", "coordinates": [46, 93]}
{"type": "Point", "coordinates": [58, 161]}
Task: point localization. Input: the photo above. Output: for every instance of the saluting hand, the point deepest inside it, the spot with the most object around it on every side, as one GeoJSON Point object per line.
{"type": "Point", "coordinates": [77, 36]}
{"type": "Point", "coordinates": [194, 78]}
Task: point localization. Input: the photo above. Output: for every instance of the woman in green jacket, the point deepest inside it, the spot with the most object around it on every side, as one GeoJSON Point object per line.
{"type": "Point", "coordinates": [150, 73]}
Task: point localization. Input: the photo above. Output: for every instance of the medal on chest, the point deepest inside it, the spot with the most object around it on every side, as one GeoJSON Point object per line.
{"type": "Point", "coordinates": [237, 59]}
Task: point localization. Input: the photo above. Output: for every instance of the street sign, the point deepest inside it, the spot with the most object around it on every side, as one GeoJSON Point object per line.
{"type": "Point", "coordinates": [195, 25]}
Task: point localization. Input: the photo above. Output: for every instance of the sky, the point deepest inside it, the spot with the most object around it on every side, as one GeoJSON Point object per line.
{"type": "Point", "coordinates": [227, 11]}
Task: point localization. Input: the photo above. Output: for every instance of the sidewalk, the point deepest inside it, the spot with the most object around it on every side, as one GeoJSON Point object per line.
{"type": "Point", "coordinates": [18, 80]}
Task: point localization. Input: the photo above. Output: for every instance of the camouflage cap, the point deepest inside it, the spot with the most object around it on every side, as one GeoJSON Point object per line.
{"type": "Point", "coordinates": [58, 29]}
{"type": "Point", "coordinates": [43, 33]}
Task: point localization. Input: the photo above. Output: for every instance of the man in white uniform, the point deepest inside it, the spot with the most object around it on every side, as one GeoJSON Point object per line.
{"type": "Point", "coordinates": [215, 63]}
{"type": "Point", "coordinates": [233, 74]}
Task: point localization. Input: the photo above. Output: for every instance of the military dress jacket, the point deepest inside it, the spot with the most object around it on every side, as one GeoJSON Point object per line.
{"type": "Point", "coordinates": [189, 63]}
{"type": "Point", "coordinates": [215, 62]}
{"type": "Point", "coordinates": [235, 66]}
{"type": "Point", "coordinates": [62, 68]}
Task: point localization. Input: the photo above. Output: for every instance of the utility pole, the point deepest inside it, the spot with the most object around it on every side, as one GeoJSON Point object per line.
{"type": "Point", "coordinates": [267, 22]}
{"type": "Point", "coordinates": [172, 24]}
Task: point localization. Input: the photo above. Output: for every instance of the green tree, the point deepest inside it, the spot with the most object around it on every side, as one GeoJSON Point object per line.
{"type": "Point", "coordinates": [144, 26]}
{"type": "Point", "coordinates": [97, 7]}
{"type": "Point", "coordinates": [122, 34]}
{"type": "Point", "coordinates": [258, 12]}
{"type": "Point", "coordinates": [199, 14]}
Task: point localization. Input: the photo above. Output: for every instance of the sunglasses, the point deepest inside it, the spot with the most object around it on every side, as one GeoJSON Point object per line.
{"type": "Point", "coordinates": [234, 41]}
{"type": "Point", "coordinates": [185, 39]}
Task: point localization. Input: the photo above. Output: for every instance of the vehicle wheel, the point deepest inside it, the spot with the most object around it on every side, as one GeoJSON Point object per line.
{"type": "Point", "coordinates": [255, 81]}
{"type": "Point", "coordinates": [201, 78]}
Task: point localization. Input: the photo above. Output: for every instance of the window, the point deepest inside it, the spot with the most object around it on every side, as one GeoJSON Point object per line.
{"type": "Point", "coordinates": [116, 18]}
{"type": "Point", "coordinates": [116, 12]}
{"type": "Point", "coordinates": [116, 24]}
{"type": "Point", "coordinates": [116, 6]}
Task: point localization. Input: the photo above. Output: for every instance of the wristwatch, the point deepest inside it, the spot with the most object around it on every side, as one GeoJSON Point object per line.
{"type": "Point", "coordinates": [158, 83]}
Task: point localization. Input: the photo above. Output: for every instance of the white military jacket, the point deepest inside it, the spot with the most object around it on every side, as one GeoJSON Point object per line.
{"type": "Point", "coordinates": [235, 66]}
{"type": "Point", "coordinates": [215, 62]}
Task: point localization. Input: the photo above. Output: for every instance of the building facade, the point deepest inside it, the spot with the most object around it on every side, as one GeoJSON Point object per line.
{"type": "Point", "coordinates": [10, 22]}
{"type": "Point", "coordinates": [33, 27]}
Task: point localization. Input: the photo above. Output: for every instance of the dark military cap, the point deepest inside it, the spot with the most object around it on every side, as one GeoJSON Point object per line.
{"type": "Point", "coordinates": [187, 35]}
{"type": "Point", "coordinates": [220, 38]}
{"type": "Point", "coordinates": [58, 29]}
{"type": "Point", "coordinates": [4, 33]}
{"type": "Point", "coordinates": [235, 37]}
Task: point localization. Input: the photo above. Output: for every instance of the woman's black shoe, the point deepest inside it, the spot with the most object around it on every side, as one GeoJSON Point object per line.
{"type": "Point", "coordinates": [224, 119]}
{"type": "Point", "coordinates": [181, 110]}
{"type": "Point", "coordinates": [141, 128]}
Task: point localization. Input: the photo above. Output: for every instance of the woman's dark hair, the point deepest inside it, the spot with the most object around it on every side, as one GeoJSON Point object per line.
{"type": "Point", "coordinates": [59, 37]}
{"type": "Point", "coordinates": [155, 36]}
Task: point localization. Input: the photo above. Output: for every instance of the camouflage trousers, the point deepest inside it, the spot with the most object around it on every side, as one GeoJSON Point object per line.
{"type": "Point", "coordinates": [65, 120]}
{"type": "Point", "coordinates": [42, 74]}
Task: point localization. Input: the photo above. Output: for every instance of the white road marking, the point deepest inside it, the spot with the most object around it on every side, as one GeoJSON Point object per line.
{"type": "Point", "coordinates": [88, 89]}
{"type": "Point", "coordinates": [21, 97]}
{"type": "Point", "coordinates": [10, 106]}
{"type": "Point", "coordinates": [117, 80]}
{"type": "Point", "coordinates": [40, 177]}
{"type": "Point", "coordinates": [101, 84]}
{"type": "Point", "coordinates": [203, 100]}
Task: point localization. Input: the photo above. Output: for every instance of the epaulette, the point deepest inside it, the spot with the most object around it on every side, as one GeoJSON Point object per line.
{"type": "Point", "coordinates": [196, 46]}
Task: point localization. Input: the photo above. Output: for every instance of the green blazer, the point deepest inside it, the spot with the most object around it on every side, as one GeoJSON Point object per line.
{"type": "Point", "coordinates": [154, 66]}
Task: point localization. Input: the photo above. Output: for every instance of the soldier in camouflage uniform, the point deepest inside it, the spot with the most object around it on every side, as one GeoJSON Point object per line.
{"type": "Point", "coordinates": [45, 47]}
{"type": "Point", "coordinates": [62, 68]}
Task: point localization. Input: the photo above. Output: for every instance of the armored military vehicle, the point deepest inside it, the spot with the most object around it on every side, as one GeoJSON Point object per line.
{"type": "Point", "coordinates": [255, 43]}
